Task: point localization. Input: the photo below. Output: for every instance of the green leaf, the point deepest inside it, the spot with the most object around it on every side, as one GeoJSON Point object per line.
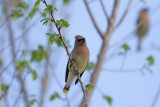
{"type": "Point", "coordinates": [22, 5]}
{"type": "Point", "coordinates": [89, 86]}
{"type": "Point", "coordinates": [90, 66]}
{"type": "Point", "coordinates": [38, 55]}
{"type": "Point", "coordinates": [16, 14]}
{"type": "Point", "coordinates": [66, 1]}
{"type": "Point", "coordinates": [32, 13]}
{"type": "Point", "coordinates": [59, 41]}
{"type": "Point", "coordinates": [109, 99]}
{"type": "Point", "coordinates": [4, 88]}
{"type": "Point", "coordinates": [51, 40]}
{"type": "Point", "coordinates": [57, 22]}
{"type": "Point", "coordinates": [34, 75]}
{"type": "Point", "coordinates": [150, 60]}
{"type": "Point", "coordinates": [32, 102]}
{"type": "Point", "coordinates": [44, 14]}
{"type": "Point", "coordinates": [55, 9]}
{"type": "Point", "coordinates": [126, 47]}
{"type": "Point", "coordinates": [50, 34]}
{"type": "Point", "coordinates": [1, 62]}
{"type": "Point", "coordinates": [45, 21]}
{"type": "Point", "coordinates": [24, 53]}
{"type": "Point", "coordinates": [53, 96]}
{"type": "Point", "coordinates": [49, 9]}
{"type": "Point", "coordinates": [62, 23]}
{"type": "Point", "coordinates": [37, 3]}
{"type": "Point", "coordinates": [23, 64]}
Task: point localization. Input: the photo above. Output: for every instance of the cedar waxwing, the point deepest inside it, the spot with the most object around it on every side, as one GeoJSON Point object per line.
{"type": "Point", "coordinates": [80, 54]}
{"type": "Point", "coordinates": [142, 30]}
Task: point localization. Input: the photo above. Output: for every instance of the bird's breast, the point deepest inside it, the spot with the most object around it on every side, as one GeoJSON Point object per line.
{"type": "Point", "coordinates": [81, 59]}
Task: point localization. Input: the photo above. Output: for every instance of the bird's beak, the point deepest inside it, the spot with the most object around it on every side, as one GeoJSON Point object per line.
{"type": "Point", "coordinates": [83, 39]}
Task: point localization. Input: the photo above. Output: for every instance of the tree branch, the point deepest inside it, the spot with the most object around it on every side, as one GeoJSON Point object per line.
{"type": "Point", "coordinates": [114, 12]}
{"type": "Point", "coordinates": [14, 56]}
{"type": "Point", "coordinates": [105, 12]}
{"type": "Point", "coordinates": [156, 98]}
{"type": "Point", "coordinates": [93, 20]}
{"type": "Point", "coordinates": [70, 59]}
{"type": "Point", "coordinates": [98, 68]}
{"type": "Point", "coordinates": [124, 15]}
{"type": "Point", "coordinates": [104, 48]}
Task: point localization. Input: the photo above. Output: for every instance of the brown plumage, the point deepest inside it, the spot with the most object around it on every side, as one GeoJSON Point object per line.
{"type": "Point", "coordinates": [142, 30]}
{"type": "Point", "coordinates": [80, 54]}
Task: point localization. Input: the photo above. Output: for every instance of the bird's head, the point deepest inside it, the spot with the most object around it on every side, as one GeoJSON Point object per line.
{"type": "Point", "coordinates": [80, 40]}
{"type": "Point", "coordinates": [145, 10]}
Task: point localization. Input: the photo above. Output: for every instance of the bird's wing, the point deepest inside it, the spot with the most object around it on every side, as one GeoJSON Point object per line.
{"type": "Point", "coordinates": [80, 74]}
{"type": "Point", "coordinates": [67, 71]}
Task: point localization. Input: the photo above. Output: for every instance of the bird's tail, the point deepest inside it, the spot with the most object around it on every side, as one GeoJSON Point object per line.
{"type": "Point", "coordinates": [139, 45]}
{"type": "Point", "coordinates": [66, 89]}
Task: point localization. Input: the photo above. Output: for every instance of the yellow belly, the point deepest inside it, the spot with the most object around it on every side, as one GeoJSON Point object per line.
{"type": "Point", "coordinates": [79, 64]}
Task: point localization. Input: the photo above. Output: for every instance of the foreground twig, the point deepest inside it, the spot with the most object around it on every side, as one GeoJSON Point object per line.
{"type": "Point", "coordinates": [71, 61]}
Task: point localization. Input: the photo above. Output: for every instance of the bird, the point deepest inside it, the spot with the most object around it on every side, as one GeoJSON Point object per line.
{"type": "Point", "coordinates": [143, 25]}
{"type": "Point", "coordinates": [80, 55]}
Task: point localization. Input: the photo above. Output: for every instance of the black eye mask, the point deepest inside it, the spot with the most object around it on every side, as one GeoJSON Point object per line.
{"type": "Point", "coordinates": [81, 40]}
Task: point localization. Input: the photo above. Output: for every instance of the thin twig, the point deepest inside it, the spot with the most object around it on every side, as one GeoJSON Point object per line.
{"type": "Point", "coordinates": [13, 50]}
{"type": "Point", "coordinates": [105, 12]}
{"type": "Point", "coordinates": [123, 62]}
{"type": "Point", "coordinates": [144, 67]}
{"type": "Point", "coordinates": [6, 67]}
{"type": "Point", "coordinates": [124, 15]}
{"type": "Point", "coordinates": [93, 20]}
{"type": "Point", "coordinates": [156, 98]}
{"type": "Point", "coordinates": [71, 61]}
{"type": "Point", "coordinates": [60, 85]}
{"type": "Point", "coordinates": [19, 37]}
{"type": "Point", "coordinates": [127, 36]}
{"type": "Point", "coordinates": [5, 21]}
{"type": "Point", "coordinates": [20, 93]}
{"type": "Point", "coordinates": [123, 70]}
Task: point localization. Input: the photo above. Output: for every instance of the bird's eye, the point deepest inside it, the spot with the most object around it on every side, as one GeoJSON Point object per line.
{"type": "Point", "coordinates": [79, 40]}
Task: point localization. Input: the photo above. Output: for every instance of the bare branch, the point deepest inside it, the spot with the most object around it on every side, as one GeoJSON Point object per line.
{"type": "Point", "coordinates": [11, 36]}
{"type": "Point", "coordinates": [114, 12]}
{"type": "Point", "coordinates": [104, 48]}
{"type": "Point", "coordinates": [127, 36]}
{"type": "Point", "coordinates": [156, 98]}
{"type": "Point", "coordinates": [144, 67]}
{"type": "Point", "coordinates": [123, 70]}
{"type": "Point", "coordinates": [71, 61]}
{"type": "Point", "coordinates": [98, 68]}
{"type": "Point", "coordinates": [105, 12]}
{"type": "Point", "coordinates": [124, 15]}
{"type": "Point", "coordinates": [23, 90]}
{"type": "Point", "coordinates": [93, 20]}
{"type": "Point", "coordinates": [17, 38]}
